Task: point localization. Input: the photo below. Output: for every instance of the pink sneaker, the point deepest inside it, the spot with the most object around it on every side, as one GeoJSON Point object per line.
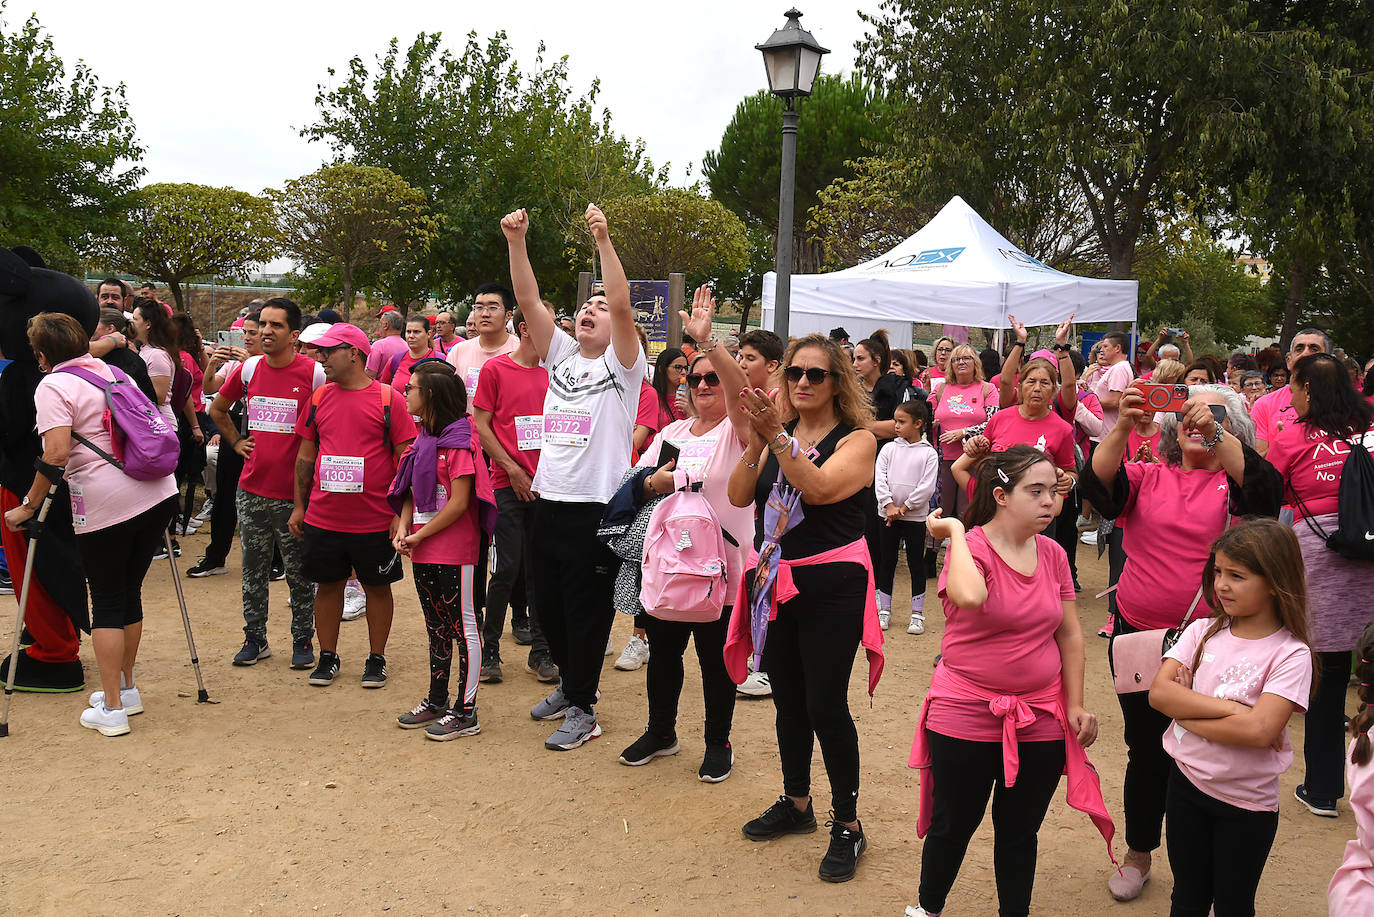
{"type": "Point", "coordinates": [1127, 882]}
{"type": "Point", "coordinates": [1107, 628]}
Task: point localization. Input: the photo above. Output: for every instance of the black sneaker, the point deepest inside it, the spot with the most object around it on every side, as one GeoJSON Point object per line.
{"type": "Point", "coordinates": [542, 668]}
{"type": "Point", "coordinates": [453, 725]}
{"type": "Point", "coordinates": [6, 584]}
{"type": "Point", "coordinates": [716, 765]}
{"type": "Point", "coordinates": [1316, 805]}
{"type": "Point", "coordinates": [204, 567]}
{"type": "Point", "coordinates": [522, 633]}
{"type": "Point", "coordinates": [846, 846]}
{"type": "Point", "coordinates": [253, 650]}
{"type": "Point", "coordinates": [648, 747]}
{"type": "Point", "coordinates": [302, 654]}
{"type": "Point", "coordinates": [374, 671]}
{"type": "Point", "coordinates": [326, 671]}
{"type": "Point", "coordinates": [781, 818]}
{"type": "Point", "coordinates": [278, 573]}
{"type": "Point", "coordinates": [176, 548]}
{"type": "Point", "coordinates": [491, 669]}
{"type": "Point", "coordinates": [422, 715]}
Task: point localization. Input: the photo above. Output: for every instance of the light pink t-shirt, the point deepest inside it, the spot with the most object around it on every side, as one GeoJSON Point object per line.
{"type": "Point", "coordinates": [1233, 668]}
{"type": "Point", "coordinates": [1272, 413]}
{"type": "Point", "coordinates": [1115, 378]}
{"type": "Point", "coordinates": [383, 349]}
{"type": "Point", "coordinates": [456, 544]}
{"type": "Point", "coordinates": [1008, 644]}
{"type": "Point", "coordinates": [1049, 434]}
{"type": "Point", "coordinates": [160, 363]}
{"type": "Point", "coordinates": [958, 407]}
{"type": "Point", "coordinates": [711, 457]}
{"type": "Point", "coordinates": [101, 494]}
{"type": "Point", "coordinates": [468, 358]}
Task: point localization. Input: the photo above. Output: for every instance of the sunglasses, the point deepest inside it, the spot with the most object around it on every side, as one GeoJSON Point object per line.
{"type": "Point", "coordinates": [695, 379]}
{"type": "Point", "coordinates": [815, 375]}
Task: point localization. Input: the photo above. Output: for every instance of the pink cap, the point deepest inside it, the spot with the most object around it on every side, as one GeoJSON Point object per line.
{"type": "Point", "coordinates": [344, 333]}
{"type": "Point", "coordinates": [1045, 354]}
{"type": "Point", "coordinates": [238, 323]}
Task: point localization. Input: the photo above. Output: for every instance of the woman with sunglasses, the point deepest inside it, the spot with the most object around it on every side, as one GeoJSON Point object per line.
{"type": "Point", "coordinates": [709, 446]}
{"type": "Point", "coordinates": [808, 492]}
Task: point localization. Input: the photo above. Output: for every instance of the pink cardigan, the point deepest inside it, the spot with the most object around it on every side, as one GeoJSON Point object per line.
{"type": "Point", "coordinates": [1084, 790]}
{"type": "Point", "coordinates": [739, 640]}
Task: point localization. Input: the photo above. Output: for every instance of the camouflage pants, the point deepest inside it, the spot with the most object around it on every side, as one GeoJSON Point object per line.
{"type": "Point", "coordinates": [262, 521]}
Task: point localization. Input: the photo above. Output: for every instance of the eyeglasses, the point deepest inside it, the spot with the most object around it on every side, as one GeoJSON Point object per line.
{"type": "Point", "coordinates": [695, 379]}
{"type": "Point", "coordinates": [815, 375]}
{"type": "Point", "coordinates": [488, 308]}
{"type": "Point", "coordinates": [326, 351]}
{"type": "Point", "coordinates": [409, 387]}
{"type": "Point", "coordinates": [678, 367]}
{"type": "Point", "coordinates": [963, 359]}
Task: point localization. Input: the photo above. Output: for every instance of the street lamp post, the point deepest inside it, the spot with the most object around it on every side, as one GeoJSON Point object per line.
{"type": "Point", "coordinates": [791, 58]}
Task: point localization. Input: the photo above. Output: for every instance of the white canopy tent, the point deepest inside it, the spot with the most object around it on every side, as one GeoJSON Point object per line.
{"type": "Point", "coordinates": [957, 270]}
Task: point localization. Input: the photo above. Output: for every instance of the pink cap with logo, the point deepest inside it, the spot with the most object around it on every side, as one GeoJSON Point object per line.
{"type": "Point", "coordinates": [344, 333]}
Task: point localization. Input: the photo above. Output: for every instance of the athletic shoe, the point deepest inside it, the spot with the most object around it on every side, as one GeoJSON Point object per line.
{"type": "Point", "coordinates": [278, 573]}
{"type": "Point", "coordinates": [133, 704]}
{"type": "Point", "coordinates": [648, 747]}
{"type": "Point", "coordinates": [542, 668]}
{"type": "Point", "coordinates": [253, 650]}
{"type": "Point", "coordinates": [918, 623]}
{"type": "Point", "coordinates": [205, 509]}
{"type": "Point", "coordinates": [6, 584]}
{"type": "Point", "coordinates": [106, 721]}
{"type": "Point", "coordinates": [846, 846]}
{"type": "Point", "coordinates": [490, 672]}
{"type": "Point", "coordinates": [915, 910]}
{"type": "Point", "coordinates": [716, 764]}
{"type": "Point", "coordinates": [1316, 805]}
{"type": "Point", "coordinates": [162, 550]}
{"type": "Point", "coordinates": [302, 654]}
{"type": "Point", "coordinates": [374, 671]}
{"type": "Point", "coordinates": [610, 647]}
{"type": "Point", "coordinates": [204, 567]}
{"type": "Point", "coordinates": [423, 714]}
{"type": "Point", "coordinates": [782, 817]}
{"type": "Point", "coordinates": [1108, 627]}
{"type": "Point", "coordinates": [453, 725]}
{"type": "Point", "coordinates": [1086, 522]}
{"type": "Point", "coordinates": [884, 618]}
{"type": "Point", "coordinates": [551, 707]}
{"type": "Point", "coordinates": [635, 655]}
{"type": "Point", "coordinates": [189, 528]}
{"type": "Point", "coordinates": [326, 671]}
{"type": "Point", "coordinates": [354, 603]}
{"type": "Point", "coordinates": [1089, 537]}
{"type": "Point", "coordinates": [756, 685]}
{"type": "Point", "coordinates": [523, 635]}
{"type": "Point", "coordinates": [579, 727]}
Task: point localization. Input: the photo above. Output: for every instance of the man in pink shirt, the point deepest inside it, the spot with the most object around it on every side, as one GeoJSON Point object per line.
{"type": "Point", "coordinates": [1116, 375]}
{"type": "Point", "coordinates": [491, 309]}
{"type": "Point", "coordinates": [446, 337]}
{"type": "Point", "coordinates": [390, 340]}
{"type": "Point", "coordinates": [1274, 411]}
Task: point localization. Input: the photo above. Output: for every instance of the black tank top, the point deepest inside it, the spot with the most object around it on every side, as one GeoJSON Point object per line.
{"type": "Point", "coordinates": [823, 527]}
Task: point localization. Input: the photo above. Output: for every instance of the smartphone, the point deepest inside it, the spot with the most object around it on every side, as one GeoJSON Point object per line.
{"type": "Point", "coordinates": [1174, 332]}
{"type": "Point", "coordinates": [668, 451]}
{"type": "Point", "coordinates": [1161, 397]}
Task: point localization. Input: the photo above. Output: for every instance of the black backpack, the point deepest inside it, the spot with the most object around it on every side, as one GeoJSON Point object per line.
{"type": "Point", "coordinates": [1354, 534]}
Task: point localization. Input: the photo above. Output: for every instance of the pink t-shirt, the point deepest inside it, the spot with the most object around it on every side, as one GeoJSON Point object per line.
{"type": "Point", "coordinates": [1049, 434]}
{"type": "Point", "coordinates": [278, 399]}
{"type": "Point", "coordinates": [1233, 668]}
{"type": "Point", "coordinates": [383, 349]}
{"type": "Point", "coordinates": [958, 407]}
{"type": "Point", "coordinates": [468, 358]}
{"type": "Point", "coordinates": [197, 379]}
{"type": "Point", "coordinates": [1311, 462]}
{"type": "Point", "coordinates": [1162, 572]}
{"type": "Point", "coordinates": [442, 348]}
{"type": "Point", "coordinates": [711, 457]}
{"type": "Point", "coordinates": [397, 373]}
{"type": "Point", "coordinates": [456, 544]}
{"type": "Point", "coordinates": [1134, 441]}
{"type": "Point", "coordinates": [159, 363]}
{"type": "Point", "coordinates": [1115, 378]}
{"type": "Point", "coordinates": [356, 463]}
{"type": "Point", "coordinates": [1272, 413]}
{"type": "Point", "coordinates": [101, 494]}
{"type": "Point", "coordinates": [1007, 645]}
{"type": "Point", "coordinates": [514, 395]}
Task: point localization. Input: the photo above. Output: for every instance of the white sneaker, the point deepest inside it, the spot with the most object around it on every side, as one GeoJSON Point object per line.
{"type": "Point", "coordinates": [756, 685]}
{"type": "Point", "coordinates": [915, 910]}
{"type": "Point", "coordinates": [205, 510]}
{"type": "Point", "coordinates": [635, 655]}
{"type": "Point", "coordinates": [610, 647]}
{"type": "Point", "coordinates": [355, 603]}
{"type": "Point", "coordinates": [884, 617]}
{"type": "Point", "coordinates": [106, 721]}
{"type": "Point", "coordinates": [918, 623]}
{"type": "Point", "coordinates": [1089, 537]}
{"type": "Point", "coordinates": [133, 704]}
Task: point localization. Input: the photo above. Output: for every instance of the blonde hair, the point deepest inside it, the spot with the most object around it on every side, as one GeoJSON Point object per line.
{"type": "Point", "coordinates": [1167, 372]}
{"type": "Point", "coordinates": [963, 350]}
{"type": "Point", "coordinates": [852, 404]}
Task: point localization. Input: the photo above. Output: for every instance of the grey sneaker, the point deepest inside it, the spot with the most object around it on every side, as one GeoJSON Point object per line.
{"type": "Point", "coordinates": [424, 714]}
{"type": "Point", "coordinates": [579, 727]}
{"type": "Point", "coordinates": [490, 673]}
{"type": "Point", "coordinates": [542, 668]}
{"type": "Point", "coordinates": [552, 707]}
{"type": "Point", "coordinates": [453, 726]}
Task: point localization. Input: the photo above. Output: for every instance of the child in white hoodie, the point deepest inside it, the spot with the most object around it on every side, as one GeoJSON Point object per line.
{"type": "Point", "coordinates": [904, 480]}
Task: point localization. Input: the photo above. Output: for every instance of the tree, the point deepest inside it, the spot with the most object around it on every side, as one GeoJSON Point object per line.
{"type": "Point", "coordinates": [841, 121]}
{"type": "Point", "coordinates": [1191, 281]}
{"type": "Point", "coordinates": [175, 232]}
{"type": "Point", "coordinates": [67, 149]}
{"type": "Point", "coordinates": [480, 136]}
{"type": "Point", "coordinates": [351, 218]}
{"type": "Point", "coordinates": [676, 229]}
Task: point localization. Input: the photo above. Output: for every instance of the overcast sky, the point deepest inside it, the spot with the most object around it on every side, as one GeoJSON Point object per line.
{"type": "Point", "coordinates": [219, 91]}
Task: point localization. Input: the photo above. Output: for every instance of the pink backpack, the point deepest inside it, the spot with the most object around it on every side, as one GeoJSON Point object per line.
{"type": "Point", "coordinates": [684, 560]}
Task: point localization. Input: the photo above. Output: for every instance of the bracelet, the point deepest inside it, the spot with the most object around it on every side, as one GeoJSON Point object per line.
{"type": "Point", "coordinates": [1021, 344]}
{"type": "Point", "coordinates": [1211, 444]}
{"type": "Point", "coordinates": [649, 483]}
{"type": "Point", "coordinates": [705, 349]}
{"type": "Point", "coordinates": [748, 464]}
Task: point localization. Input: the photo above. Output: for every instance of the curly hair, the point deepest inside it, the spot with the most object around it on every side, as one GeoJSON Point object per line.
{"type": "Point", "coordinates": [852, 405]}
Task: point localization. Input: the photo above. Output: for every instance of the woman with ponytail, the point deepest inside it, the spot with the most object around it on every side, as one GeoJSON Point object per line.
{"type": "Point", "coordinates": [1352, 887]}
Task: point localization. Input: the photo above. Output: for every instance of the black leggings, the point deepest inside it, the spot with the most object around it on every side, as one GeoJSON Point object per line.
{"type": "Point", "coordinates": [965, 774]}
{"type": "Point", "coordinates": [1147, 764]}
{"type": "Point", "coordinates": [1323, 729]}
{"type": "Point", "coordinates": [890, 538]}
{"type": "Point", "coordinates": [1064, 530]}
{"type": "Point", "coordinates": [665, 676]}
{"type": "Point", "coordinates": [116, 561]}
{"type": "Point", "coordinates": [1217, 851]}
{"type": "Point", "coordinates": [446, 594]}
{"type": "Point", "coordinates": [808, 655]}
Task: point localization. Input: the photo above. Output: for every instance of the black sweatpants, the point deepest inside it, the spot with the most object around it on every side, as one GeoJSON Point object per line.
{"type": "Point", "coordinates": [117, 558]}
{"type": "Point", "coordinates": [966, 774]}
{"type": "Point", "coordinates": [809, 655]}
{"type": "Point", "coordinates": [1324, 737]}
{"type": "Point", "coordinates": [1116, 562]}
{"type": "Point", "coordinates": [447, 598]}
{"type": "Point", "coordinates": [1064, 530]}
{"type": "Point", "coordinates": [1217, 851]}
{"type": "Point", "coordinates": [665, 675]}
{"type": "Point", "coordinates": [224, 514]}
{"type": "Point", "coordinates": [514, 565]}
{"type": "Point", "coordinates": [890, 539]}
{"type": "Point", "coordinates": [574, 580]}
{"type": "Point", "coordinates": [1147, 764]}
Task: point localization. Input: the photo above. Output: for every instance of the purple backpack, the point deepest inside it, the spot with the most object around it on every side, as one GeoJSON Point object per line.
{"type": "Point", "coordinates": [145, 445]}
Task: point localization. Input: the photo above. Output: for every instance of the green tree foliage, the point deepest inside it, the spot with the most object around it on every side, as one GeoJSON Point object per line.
{"type": "Point", "coordinates": [676, 229]}
{"type": "Point", "coordinates": [353, 219]}
{"type": "Point", "coordinates": [176, 232]}
{"type": "Point", "coordinates": [1190, 281]}
{"type": "Point", "coordinates": [842, 120]}
{"type": "Point", "coordinates": [480, 137]}
{"type": "Point", "coordinates": [67, 149]}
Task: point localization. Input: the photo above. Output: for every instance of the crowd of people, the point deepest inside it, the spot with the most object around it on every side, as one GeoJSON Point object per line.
{"type": "Point", "coordinates": [526, 463]}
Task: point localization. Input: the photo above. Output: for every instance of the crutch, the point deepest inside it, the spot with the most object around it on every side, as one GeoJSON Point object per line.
{"type": "Point", "coordinates": [202, 696]}
{"type": "Point", "coordinates": [35, 528]}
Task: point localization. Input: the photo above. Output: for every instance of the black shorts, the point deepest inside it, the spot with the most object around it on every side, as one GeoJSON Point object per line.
{"type": "Point", "coordinates": [330, 557]}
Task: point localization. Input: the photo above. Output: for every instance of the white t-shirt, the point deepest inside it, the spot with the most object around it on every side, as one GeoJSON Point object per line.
{"type": "Point", "coordinates": [589, 416]}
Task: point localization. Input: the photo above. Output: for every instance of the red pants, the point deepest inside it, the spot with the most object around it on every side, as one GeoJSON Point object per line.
{"type": "Point", "coordinates": [54, 637]}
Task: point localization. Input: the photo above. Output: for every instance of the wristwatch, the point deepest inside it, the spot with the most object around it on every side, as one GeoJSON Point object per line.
{"type": "Point", "coordinates": [25, 502]}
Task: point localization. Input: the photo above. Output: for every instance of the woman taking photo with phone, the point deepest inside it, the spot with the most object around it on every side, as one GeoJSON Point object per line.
{"type": "Point", "coordinates": [808, 492]}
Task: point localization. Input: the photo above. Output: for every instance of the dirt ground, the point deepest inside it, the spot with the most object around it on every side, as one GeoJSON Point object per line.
{"type": "Point", "coordinates": [287, 799]}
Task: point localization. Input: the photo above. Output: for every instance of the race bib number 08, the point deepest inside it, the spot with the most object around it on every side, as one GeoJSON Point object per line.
{"type": "Point", "coordinates": [341, 474]}
{"type": "Point", "coordinates": [529, 432]}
